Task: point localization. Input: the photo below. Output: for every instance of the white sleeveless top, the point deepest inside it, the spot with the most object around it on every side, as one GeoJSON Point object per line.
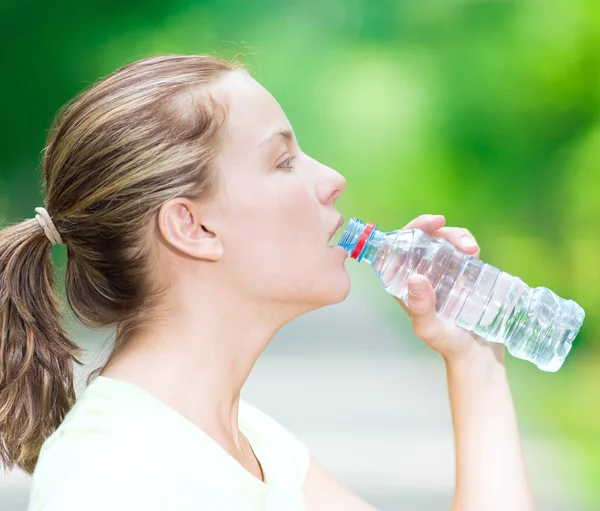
{"type": "Point", "coordinates": [122, 449]}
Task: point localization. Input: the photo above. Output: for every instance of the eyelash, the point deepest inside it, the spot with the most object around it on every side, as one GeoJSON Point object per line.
{"type": "Point", "coordinates": [289, 159]}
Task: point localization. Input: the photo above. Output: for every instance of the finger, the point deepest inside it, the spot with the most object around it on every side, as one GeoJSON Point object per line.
{"type": "Point", "coordinates": [460, 238]}
{"type": "Point", "coordinates": [427, 223]}
{"type": "Point", "coordinates": [421, 302]}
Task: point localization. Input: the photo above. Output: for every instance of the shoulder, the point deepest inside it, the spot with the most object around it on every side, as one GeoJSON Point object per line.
{"type": "Point", "coordinates": [98, 458]}
{"type": "Point", "coordinates": [94, 471]}
{"type": "Point", "coordinates": [321, 490]}
{"type": "Point", "coordinates": [257, 420]}
{"type": "Point", "coordinates": [251, 415]}
{"type": "Point", "coordinates": [283, 446]}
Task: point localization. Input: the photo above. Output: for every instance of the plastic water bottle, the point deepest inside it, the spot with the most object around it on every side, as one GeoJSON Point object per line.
{"type": "Point", "coordinates": [534, 324]}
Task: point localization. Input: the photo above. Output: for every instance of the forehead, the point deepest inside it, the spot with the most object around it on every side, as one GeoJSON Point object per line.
{"type": "Point", "coordinates": [252, 111]}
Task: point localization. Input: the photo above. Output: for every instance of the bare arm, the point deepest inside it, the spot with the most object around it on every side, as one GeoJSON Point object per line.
{"type": "Point", "coordinates": [490, 470]}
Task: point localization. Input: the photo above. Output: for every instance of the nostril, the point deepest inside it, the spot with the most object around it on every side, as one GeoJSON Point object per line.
{"type": "Point", "coordinates": [333, 197]}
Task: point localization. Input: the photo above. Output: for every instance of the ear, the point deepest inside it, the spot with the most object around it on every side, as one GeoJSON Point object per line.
{"type": "Point", "coordinates": [179, 222]}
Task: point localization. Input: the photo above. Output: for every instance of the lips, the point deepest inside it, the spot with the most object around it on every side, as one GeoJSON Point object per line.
{"type": "Point", "coordinates": [337, 227]}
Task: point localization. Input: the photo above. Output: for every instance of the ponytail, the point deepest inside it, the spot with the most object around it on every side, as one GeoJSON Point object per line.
{"type": "Point", "coordinates": [36, 357]}
{"type": "Point", "coordinates": [148, 132]}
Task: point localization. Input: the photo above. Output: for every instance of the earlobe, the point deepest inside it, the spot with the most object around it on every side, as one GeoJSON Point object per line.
{"type": "Point", "coordinates": [181, 227]}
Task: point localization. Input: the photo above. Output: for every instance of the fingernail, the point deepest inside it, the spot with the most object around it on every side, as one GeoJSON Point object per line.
{"type": "Point", "coordinates": [468, 242]}
{"type": "Point", "coordinates": [417, 288]}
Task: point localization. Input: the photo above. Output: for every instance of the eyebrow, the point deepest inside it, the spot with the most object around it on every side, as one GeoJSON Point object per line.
{"type": "Point", "coordinates": [285, 133]}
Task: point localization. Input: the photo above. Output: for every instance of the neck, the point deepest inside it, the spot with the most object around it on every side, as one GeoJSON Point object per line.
{"type": "Point", "coordinates": [196, 358]}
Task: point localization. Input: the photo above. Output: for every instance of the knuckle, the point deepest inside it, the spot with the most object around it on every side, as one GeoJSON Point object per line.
{"type": "Point", "coordinates": [467, 232]}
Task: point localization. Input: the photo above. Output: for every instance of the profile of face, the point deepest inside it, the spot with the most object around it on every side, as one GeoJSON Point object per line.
{"type": "Point", "coordinates": [272, 217]}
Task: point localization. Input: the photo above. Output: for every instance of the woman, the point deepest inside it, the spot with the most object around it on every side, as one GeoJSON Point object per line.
{"type": "Point", "coordinates": [196, 228]}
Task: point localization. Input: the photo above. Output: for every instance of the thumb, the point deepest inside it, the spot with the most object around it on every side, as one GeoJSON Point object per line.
{"type": "Point", "coordinates": [421, 305]}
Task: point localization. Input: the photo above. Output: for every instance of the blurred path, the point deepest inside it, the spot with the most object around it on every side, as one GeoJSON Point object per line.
{"type": "Point", "coordinates": [370, 402]}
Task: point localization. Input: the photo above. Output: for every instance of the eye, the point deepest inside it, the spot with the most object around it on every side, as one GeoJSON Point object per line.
{"type": "Point", "coordinates": [287, 163]}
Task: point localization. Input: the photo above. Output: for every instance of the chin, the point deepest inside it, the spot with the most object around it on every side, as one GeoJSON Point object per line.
{"type": "Point", "coordinates": [328, 289]}
{"type": "Point", "coordinates": [339, 291]}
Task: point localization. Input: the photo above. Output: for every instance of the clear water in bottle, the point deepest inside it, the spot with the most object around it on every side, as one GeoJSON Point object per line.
{"type": "Point", "coordinates": [534, 323]}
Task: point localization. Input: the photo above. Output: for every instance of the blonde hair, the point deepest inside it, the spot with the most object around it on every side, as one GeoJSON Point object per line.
{"type": "Point", "coordinates": [115, 154]}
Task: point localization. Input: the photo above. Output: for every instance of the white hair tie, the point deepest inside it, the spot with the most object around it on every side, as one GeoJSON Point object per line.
{"type": "Point", "coordinates": [47, 224]}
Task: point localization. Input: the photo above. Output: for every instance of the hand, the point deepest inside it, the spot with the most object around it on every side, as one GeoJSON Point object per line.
{"type": "Point", "coordinates": [443, 335]}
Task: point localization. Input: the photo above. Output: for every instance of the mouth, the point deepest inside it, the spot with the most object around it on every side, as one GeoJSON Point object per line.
{"type": "Point", "coordinates": [337, 228]}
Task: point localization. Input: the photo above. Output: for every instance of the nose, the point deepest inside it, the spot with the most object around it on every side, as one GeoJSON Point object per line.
{"type": "Point", "coordinates": [331, 185]}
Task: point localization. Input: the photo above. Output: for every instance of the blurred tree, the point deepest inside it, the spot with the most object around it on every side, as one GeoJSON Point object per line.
{"type": "Point", "coordinates": [487, 111]}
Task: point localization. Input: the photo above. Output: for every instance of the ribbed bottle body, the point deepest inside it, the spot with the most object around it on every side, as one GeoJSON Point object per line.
{"type": "Point", "coordinates": [534, 323]}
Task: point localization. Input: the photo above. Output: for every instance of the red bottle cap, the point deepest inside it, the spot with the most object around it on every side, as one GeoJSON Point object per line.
{"type": "Point", "coordinates": [363, 239]}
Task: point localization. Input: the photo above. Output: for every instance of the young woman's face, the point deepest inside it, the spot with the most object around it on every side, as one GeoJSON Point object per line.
{"type": "Point", "coordinates": [278, 205]}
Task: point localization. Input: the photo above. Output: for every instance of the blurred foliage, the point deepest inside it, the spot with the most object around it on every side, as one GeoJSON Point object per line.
{"type": "Point", "coordinates": [484, 110]}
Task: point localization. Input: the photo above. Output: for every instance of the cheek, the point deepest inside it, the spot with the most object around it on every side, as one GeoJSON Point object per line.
{"type": "Point", "coordinates": [277, 235]}
{"type": "Point", "coordinates": [294, 223]}
{"type": "Point", "coordinates": [282, 213]}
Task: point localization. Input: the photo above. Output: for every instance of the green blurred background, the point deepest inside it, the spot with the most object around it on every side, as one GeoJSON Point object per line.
{"type": "Point", "coordinates": [486, 111]}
